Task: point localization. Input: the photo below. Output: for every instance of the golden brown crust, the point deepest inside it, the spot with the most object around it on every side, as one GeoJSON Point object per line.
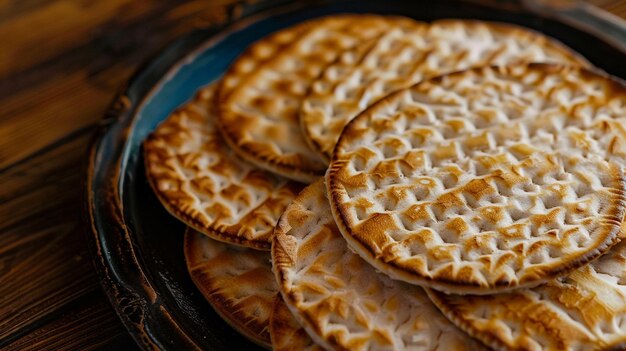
{"type": "Point", "coordinates": [466, 199]}
{"type": "Point", "coordinates": [286, 333]}
{"type": "Point", "coordinates": [237, 282]}
{"type": "Point", "coordinates": [404, 56]}
{"type": "Point", "coordinates": [259, 117]}
{"type": "Point", "coordinates": [585, 310]}
{"type": "Point", "coordinates": [258, 55]}
{"type": "Point", "coordinates": [201, 182]}
{"type": "Point", "coordinates": [339, 299]}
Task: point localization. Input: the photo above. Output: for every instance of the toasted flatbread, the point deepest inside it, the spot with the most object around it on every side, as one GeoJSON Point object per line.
{"type": "Point", "coordinates": [485, 180]}
{"type": "Point", "coordinates": [340, 300]}
{"type": "Point", "coordinates": [286, 333]}
{"type": "Point", "coordinates": [405, 56]}
{"type": "Point", "coordinates": [259, 54]}
{"type": "Point", "coordinates": [585, 310]}
{"type": "Point", "coordinates": [236, 281]}
{"type": "Point", "coordinates": [258, 114]}
{"type": "Point", "coordinates": [202, 182]}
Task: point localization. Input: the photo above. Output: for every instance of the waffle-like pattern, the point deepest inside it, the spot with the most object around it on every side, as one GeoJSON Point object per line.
{"type": "Point", "coordinates": [236, 281]}
{"type": "Point", "coordinates": [342, 302]}
{"type": "Point", "coordinates": [259, 54]}
{"type": "Point", "coordinates": [405, 56]}
{"type": "Point", "coordinates": [585, 310]}
{"type": "Point", "coordinates": [259, 117]}
{"type": "Point", "coordinates": [286, 333]}
{"type": "Point", "coordinates": [485, 180]}
{"type": "Point", "coordinates": [202, 182]}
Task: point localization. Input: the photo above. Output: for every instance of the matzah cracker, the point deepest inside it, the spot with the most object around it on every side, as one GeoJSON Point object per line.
{"type": "Point", "coordinates": [484, 180]}
{"type": "Point", "coordinates": [286, 333]}
{"type": "Point", "coordinates": [259, 117]}
{"type": "Point", "coordinates": [585, 310]}
{"type": "Point", "coordinates": [236, 281]}
{"type": "Point", "coordinates": [260, 54]}
{"type": "Point", "coordinates": [201, 181]}
{"type": "Point", "coordinates": [405, 56]}
{"type": "Point", "coordinates": [341, 301]}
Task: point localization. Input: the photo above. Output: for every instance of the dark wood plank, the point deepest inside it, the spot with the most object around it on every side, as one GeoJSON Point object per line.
{"type": "Point", "coordinates": [60, 75]}
{"type": "Point", "coordinates": [61, 63]}
{"type": "Point", "coordinates": [44, 260]}
{"type": "Point", "coordinates": [75, 330]}
{"type": "Point", "coordinates": [616, 7]}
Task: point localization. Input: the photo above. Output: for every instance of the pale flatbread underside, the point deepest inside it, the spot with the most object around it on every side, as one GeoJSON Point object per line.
{"type": "Point", "coordinates": [259, 116]}
{"type": "Point", "coordinates": [485, 180]}
{"type": "Point", "coordinates": [405, 56]}
{"type": "Point", "coordinates": [201, 181]}
{"type": "Point", "coordinates": [585, 310]}
{"type": "Point", "coordinates": [236, 281]}
{"type": "Point", "coordinates": [340, 300]}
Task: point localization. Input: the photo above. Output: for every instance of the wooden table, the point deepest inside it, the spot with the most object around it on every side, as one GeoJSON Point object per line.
{"type": "Point", "coordinates": [61, 63]}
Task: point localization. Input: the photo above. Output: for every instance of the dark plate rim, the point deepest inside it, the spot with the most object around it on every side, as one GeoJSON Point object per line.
{"type": "Point", "coordinates": [130, 291]}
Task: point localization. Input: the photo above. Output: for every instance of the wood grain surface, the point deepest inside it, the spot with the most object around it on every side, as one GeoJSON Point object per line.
{"type": "Point", "coordinates": [61, 63]}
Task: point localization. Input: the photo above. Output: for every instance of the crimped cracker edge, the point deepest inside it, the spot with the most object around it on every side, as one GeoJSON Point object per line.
{"type": "Point", "coordinates": [279, 253]}
{"type": "Point", "coordinates": [189, 220]}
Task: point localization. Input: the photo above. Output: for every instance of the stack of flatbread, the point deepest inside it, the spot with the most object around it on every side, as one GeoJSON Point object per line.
{"type": "Point", "coordinates": [454, 185]}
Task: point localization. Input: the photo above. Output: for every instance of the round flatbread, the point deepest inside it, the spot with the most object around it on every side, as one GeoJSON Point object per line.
{"type": "Point", "coordinates": [236, 281]}
{"type": "Point", "coordinates": [405, 56]}
{"type": "Point", "coordinates": [341, 301]}
{"type": "Point", "coordinates": [585, 310]}
{"type": "Point", "coordinates": [286, 333]}
{"type": "Point", "coordinates": [202, 182]}
{"type": "Point", "coordinates": [258, 114]}
{"type": "Point", "coordinates": [484, 180]}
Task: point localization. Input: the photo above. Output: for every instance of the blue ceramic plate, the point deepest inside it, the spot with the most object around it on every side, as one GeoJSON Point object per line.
{"type": "Point", "coordinates": [137, 245]}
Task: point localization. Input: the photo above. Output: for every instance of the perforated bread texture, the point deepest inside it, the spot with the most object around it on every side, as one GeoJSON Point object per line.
{"type": "Point", "coordinates": [405, 56]}
{"type": "Point", "coordinates": [259, 117]}
{"type": "Point", "coordinates": [236, 281]}
{"type": "Point", "coordinates": [202, 182]}
{"type": "Point", "coordinates": [585, 310]}
{"type": "Point", "coordinates": [285, 331]}
{"type": "Point", "coordinates": [342, 302]}
{"type": "Point", "coordinates": [485, 180]}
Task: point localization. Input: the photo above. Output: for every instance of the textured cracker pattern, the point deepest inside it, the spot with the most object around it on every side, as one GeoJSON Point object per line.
{"type": "Point", "coordinates": [342, 302]}
{"type": "Point", "coordinates": [238, 282]}
{"type": "Point", "coordinates": [584, 311]}
{"type": "Point", "coordinates": [199, 179]}
{"type": "Point", "coordinates": [260, 54]}
{"type": "Point", "coordinates": [485, 180]}
{"type": "Point", "coordinates": [405, 56]}
{"type": "Point", "coordinates": [259, 118]}
{"type": "Point", "coordinates": [286, 333]}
